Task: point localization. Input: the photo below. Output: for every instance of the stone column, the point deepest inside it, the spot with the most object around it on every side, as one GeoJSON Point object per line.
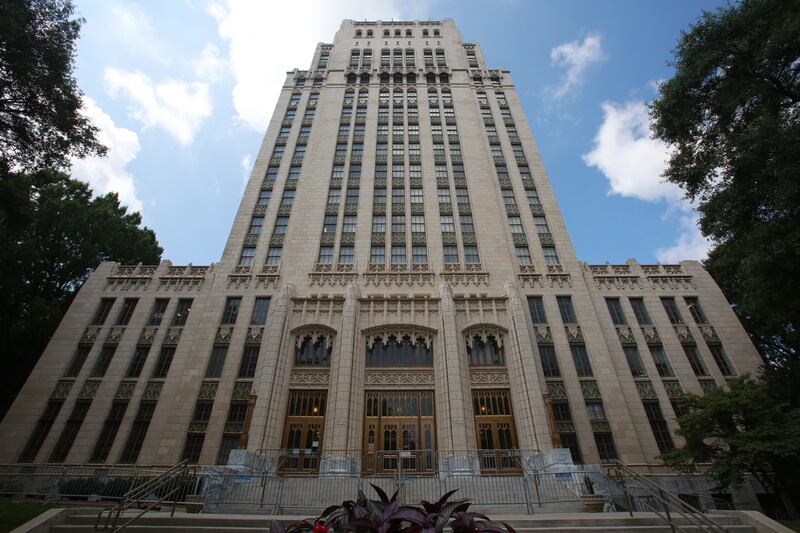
{"type": "Point", "coordinates": [454, 405]}
{"type": "Point", "coordinates": [342, 418]}
{"type": "Point", "coordinates": [270, 383]}
{"type": "Point", "coordinates": [527, 385]}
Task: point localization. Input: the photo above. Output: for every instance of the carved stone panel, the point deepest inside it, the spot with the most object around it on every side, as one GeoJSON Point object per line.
{"type": "Point", "coordinates": [684, 335]}
{"type": "Point", "coordinates": [557, 390]}
{"type": "Point", "coordinates": [651, 335]}
{"type": "Point", "coordinates": [125, 390]}
{"type": "Point", "coordinates": [254, 335]}
{"type": "Point", "coordinates": [707, 330]}
{"type": "Point", "coordinates": [543, 334]}
{"type": "Point", "coordinates": [574, 334]}
{"type": "Point", "coordinates": [646, 390]}
{"type": "Point", "coordinates": [173, 336]}
{"type": "Point", "coordinates": [590, 390]}
{"type": "Point", "coordinates": [223, 335]}
{"type": "Point", "coordinates": [88, 390]}
{"type": "Point", "coordinates": [674, 389]}
{"type": "Point", "coordinates": [398, 379]}
{"type": "Point", "coordinates": [309, 377]}
{"type": "Point", "coordinates": [241, 390]}
{"type": "Point", "coordinates": [208, 390]}
{"type": "Point", "coordinates": [625, 335]}
{"type": "Point", "coordinates": [488, 377]}
{"type": "Point", "coordinates": [708, 385]}
{"type": "Point", "coordinates": [115, 334]}
{"type": "Point", "coordinates": [152, 391]}
{"type": "Point", "coordinates": [61, 390]}
{"type": "Point", "coordinates": [147, 335]}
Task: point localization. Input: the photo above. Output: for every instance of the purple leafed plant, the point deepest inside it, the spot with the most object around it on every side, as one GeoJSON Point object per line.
{"type": "Point", "coordinates": [386, 515]}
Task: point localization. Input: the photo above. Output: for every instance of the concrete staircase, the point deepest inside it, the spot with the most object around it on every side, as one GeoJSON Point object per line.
{"type": "Point", "coordinates": [80, 521]}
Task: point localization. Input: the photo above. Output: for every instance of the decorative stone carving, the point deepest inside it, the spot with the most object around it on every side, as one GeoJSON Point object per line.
{"type": "Point", "coordinates": [327, 238]}
{"type": "Point", "coordinates": [488, 377]}
{"type": "Point", "coordinates": [555, 269]}
{"type": "Point", "coordinates": [276, 239]}
{"type": "Point", "coordinates": [600, 426]}
{"type": "Point", "coordinates": [574, 334]}
{"type": "Point", "coordinates": [625, 335]}
{"type": "Point", "coordinates": [223, 335]}
{"type": "Point", "coordinates": [398, 237]}
{"type": "Point", "coordinates": [646, 390]}
{"type": "Point", "coordinates": [483, 334]}
{"type": "Point", "coordinates": [530, 280]}
{"type": "Point", "coordinates": [382, 336]}
{"type": "Point", "coordinates": [565, 427]}
{"type": "Point", "coordinates": [125, 390]}
{"type": "Point", "coordinates": [469, 238]}
{"type": "Point", "coordinates": [708, 385]}
{"type": "Point", "coordinates": [147, 335]}
{"type": "Point", "coordinates": [651, 335]}
{"type": "Point", "coordinates": [173, 335]}
{"type": "Point", "coordinates": [115, 334]}
{"type": "Point", "coordinates": [618, 282]}
{"type": "Point", "coordinates": [255, 334]}
{"type": "Point", "coordinates": [284, 210]}
{"type": "Point", "coordinates": [208, 390]}
{"type": "Point", "coordinates": [671, 282]}
{"type": "Point", "coordinates": [466, 278]}
{"type": "Point", "coordinates": [61, 390]}
{"type": "Point", "coordinates": [707, 330]}
{"type": "Point", "coordinates": [398, 379]}
{"type": "Point", "coordinates": [557, 390]}
{"type": "Point", "coordinates": [537, 210]}
{"type": "Point", "coordinates": [519, 239]}
{"type": "Point", "coordinates": [332, 279]}
{"type": "Point", "coordinates": [377, 277]}
{"type": "Point", "coordinates": [546, 239]}
{"type": "Point", "coordinates": [559, 280]}
{"type": "Point", "coordinates": [449, 238]}
{"type": "Point", "coordinates": [684, 334]}
{"type": "Point", "coordinates": [152, 391]}
{"type": "Point", "coordinates": [242, 269]}
{"type": "Point", "coordinates": [309, 377]}
{"type": "Point", "coordinates": [674, 390]}
{"type": "Point", "coordinates": [241, 390]}
{"type": "Point", "coordinates": [250, 240]}
{"type": "Point", "coordinates": [464, 209]}
{"type": "Point", "coordinates": [90, 335]}
{"type": "Point", "coordinates": [543, 334]}
{"type": "Point", "coordinates": [238, 281]}
{"type": "Point", "coordinates": [88, 390]}
{"type": "Point", "coordinates": [590, 390]}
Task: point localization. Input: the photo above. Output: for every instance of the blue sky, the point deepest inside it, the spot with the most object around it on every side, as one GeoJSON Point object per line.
{"type": "Point", "coordinates": [182, 92]}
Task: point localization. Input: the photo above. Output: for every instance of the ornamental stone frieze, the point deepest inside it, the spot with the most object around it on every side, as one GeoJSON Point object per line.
{"type": "Point", "coordinates": [114, 334]}
{"type": "Point", "coordinates": [382, 335]}
{"type": "Point", "coordinates": [574, 334]}
{"type": "Point", "coordinates": [646, 390]}
{"type": "Point", "coordinates": [173, 336]}
{"type": "Point", "coordinates": [684, 334]}
{"type": "Point", "coordinates": [88, 390]}
{"type": "Point", "coordinates": [384, 378]}
{"type": "Point", "coordinates": [255, 335]}
{"type": "Point", "coordinates": [239, 281]}
{"type": "Point", "coordinates": [709, 334]}
{"type": "Point", "coordinates": [309, 377]}
{"type": "Point", "coordinates": [152, 391]}
{"type": "Point", "coordinates": [558, 280]}
{"type": "Point", "coordinates": [557, 390]}
{"type": "Point", "coordinates": [543, 334]}
{"type": "Point", "coordinates": [674, 390]}
{"type": "Point", "coordinates": [488, 377]}
{"type": "Point", "coordinates": [625, 335]}
{"type": "Point", "coordinates": [147, 335]}
{"type": "Point", "coordinates": [399, 279]}
{"type": "Point", "coordinates": [651, 335]}
{"type": "Point", "coordinates": [90, 335]}
{"type": "Point", "coordinates": [223, 335]}
{"type": "Point", "coordinates": [125, 390]}
{"type": "Point", "coordinates": [590, 390]}
{"type": "Point", "coordinates": [208, 390]}
{"type": "Point", "coordinates": [61, 390]}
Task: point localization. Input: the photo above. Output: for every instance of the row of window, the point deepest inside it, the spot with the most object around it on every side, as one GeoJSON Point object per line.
{"type": "Point", "coordinates": [408, 32]}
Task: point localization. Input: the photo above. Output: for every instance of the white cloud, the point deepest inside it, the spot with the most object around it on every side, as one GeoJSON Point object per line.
{"type": "Point", "coordinates": [633, 162]}
{"type": "Point", "coordinates": [262, 47]}
{"type": "Point", "coordinates": [576, 57]}
{"type": "Point", "coordinates": [108, 174]}
{"type": "Point", "coordinates": [176, 106]}
{"type": "Point", "coordinates": [247, 163]}
{"type": "Point", "coordinates": [131, 27]}
{"type": "Point", "coordinates": [209, 65]}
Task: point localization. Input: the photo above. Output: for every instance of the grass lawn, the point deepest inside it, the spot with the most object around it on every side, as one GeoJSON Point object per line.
{"type": "Point", "coordinates": [794, 525]}
{"type": "Point", "coordinates": [13, 515]}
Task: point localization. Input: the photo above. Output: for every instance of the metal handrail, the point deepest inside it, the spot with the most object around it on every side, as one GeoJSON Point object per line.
{"type": "Point", "coordinates": [622, 472]}
{"type": "Point", "coordinates": [136, 497]}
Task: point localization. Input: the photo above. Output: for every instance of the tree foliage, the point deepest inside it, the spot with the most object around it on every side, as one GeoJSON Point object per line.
{"type": "Point", "coordinates": [732, 114]}
{"type": "Point", "coordinates": [57, 235]}
{"type": "Point", "coordinates": [753, 428]}
{"type": "Point", "coordinates": [40, 120]}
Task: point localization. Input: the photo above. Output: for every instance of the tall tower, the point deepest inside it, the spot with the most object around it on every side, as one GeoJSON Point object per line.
{"type": "Point", "coordinates": [398, 291]}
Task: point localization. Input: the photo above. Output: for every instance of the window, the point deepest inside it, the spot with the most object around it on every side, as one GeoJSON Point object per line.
{"type": "Point", "coordinates": [257, 223]}
{"type": "Point", "coordinates": [329, 226]}
{"type": "Point", "coordinates": [294, 100]}
{"type": "Point", "coordinates": [550, 255]}
{"type": "Point", "coordinates": [517, 150]}
{"type": "Point", "coordinates": [418, 224]}
{"type": "Point", "coordinates": [416, 196]}
{"type": "Point", "coordinates": [137, 361]}
{"type": "Point", "coordinates": [639, 309]}
{"type": "Point", "coordinates": [398, 255]}
{"type": "Point", "coordinates": [344, 129]}
{"type": "Point", "coordinates": [163, 362]}
{"type": "Point", "coordinates": [508, 197]}
{"type": "Point", "coordinates": [349, 224]}
{"type": "Point", "coordinates": [496, 150]}
{"type": "Point", "coordinates": [355, 171]}
{"type": "Point", "coordinates": [194, 444]}
{"type": "Point", "coordinates": [109, 431]}
{"type": "Point", "coordinates": [127, 310]}
{"type": "Point", "coordinates": [281, 224]}
{"type": "Point", "coordinates": [41, 431]}
{"type": "Point", "coordinates": [182, 312]}
{"type": "Point", "coordinates": [697, 312]}
{"type": "Point", "coordinates": [264, 197]}
{"type": "Point", "coordinates": [278, 152]}
{"type": "Point", "coordinates": [102, 311]}
{"type": "Point", "coordinates": [337, 171]}
{"type": "Point", "coordinates": [462, 196]}
{"type": "Point", "coordinates": [541, 225]}
{"type": "Point", "coordinates": [581, 360]}
{"type": "Point", "coordinates": [260, 310]}
{"type": "Point", "coordinates": [484, 351]}
{"type": "Point", "coordinates": [440, 171]}
{"type": "Point", "coordinates": [615, 309]}
{"type": "Point", "coordinates": [566, 309]}
{"type": "Point", "coordinates": [70, 431]}
{"type": "Point", "coordinates": [352, 196]}
{"type": "Point", "coordinates": [448, 226]}
{"type": "Point", "coordinates": [294, 172]}
{"type": "Point", "coordinates": [672, 310]}
{"type": "Point", "coordinates": [547, 355]}
{"type": "Point", "coordinates": [662, 363]}
{"type": "Point", "coordinates": [378, 223]}
{"type": "Point", "coordinates": [231, 311]}
{"type": "Point", "coordinates": [516, 224]}
{"type": "Point", "coordinates": [523, 255]}
{"type": "Point", "coordinates": [341, 150]}
{"type": "Point", "coordinates": [379, 197]}
{"type": "Point", "coordinates": [718, 353]}
{"type": "Point", "coordinates": [634, 361]}
{"type": "Point", "coordinates": [659, 426]}
{"type": "Point", "coordinates": [103, 360]}
{"type": "Point", "coordinates": [450, 254]}
{"type": "Point", "coordinates": [248, 253]}
{"type": "Point", "coordinates": [274, 256]}
{"type": "Point", "coordinates": [393, 351]}
{"type": "Point", "coordinates": [536, 307]}
{"type": "Point", "coordinates": [247, 368]}
{"type": "Point", "coordinates": [346, 255]}
{"type": "Point", "coordinates": [381, 149]}
{"type": "Point", "coordinates": [419, 255]}
{"type": "Point", "coordinates": [334, 196]}
{"type": "Point", "coordinates": [605, 447]}
{"type": "Point", "coordinates": [444, 196]}
{"type": "Point", "coordinates": [471, 254]}
{"type": "Point", "coordinates": [595, 411]}
{"type": "Point", "coordinates": [138, 432]}
{"type": "Point", "coordinates": [76, 363]}
{"type": "Point", "coordinates": [525, 172]}
{"type": "Point", "coordinates": [325, 255]}
{"type": "Point", "coordinates": [466, 224]}
{"type": "Point", "coordinates": [377, 255]}
{"type": "Point", "coordinates": [357, 149]}
{"type": "Point", "coordinates": [380, 171]}
{"type": "Point", "coordinates": [533, 196]}
{"type": "Point", "coordinates": [398, 223]}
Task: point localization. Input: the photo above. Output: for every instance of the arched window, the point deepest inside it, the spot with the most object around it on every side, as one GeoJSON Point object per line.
{"type": "Point", "coordinates": [444, 77]}
{"type": "Point", "coordinates": [411, 78]}
{"type": "Point", "coordinates": [430, 77]}
{"type": "Point", "coordinates": [313, 349]}
{"type": "Point", "coordinates": [400, 349]}
{"type": "Point", "coordinates": [398, 77]}
{"type": "Point", "coordinates": [351, 78]}
{"type": "Point", "coordinates": [485, 348]}
{"type": "Point", "coordinates": [385, 77]}
{"type": "Point", "coordinates": [364, 77]}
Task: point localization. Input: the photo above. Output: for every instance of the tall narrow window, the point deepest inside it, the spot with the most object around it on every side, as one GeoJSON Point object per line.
{"type": "Point", "coordinates": [581, 359]}
{"type": "Point", "coordinates": [41, 431]}
{"type": "Point", "coordinates": [70, 431]}
{"type": "Point", "coordinates": [137, 361]}
{"type": "Point", "coordinates": [103, 360]}
{"type": "Point", "coordinates": [377, 255]}
{"type": "Point", "coordinates": [536, 307]}
{"type": "Point", "coordinates": [672, 310]}
{"type": "Point", "coordinates": [182, 312]}
{"type": "Point", "coordinates": [260, 310]}
{"type": "Point", "coordinates": [659, 426]}
{"type": "Point", "coordinates": [450, 254]}
{"type": "Point", "coordinates": [718, 353]}
{"type": "Point", "coordinates": [325, 255]}
{"type": "Point", "coordinates": [76, 363]}
{"type": "Point", "coordinates": [695, 360]}
{"type": "Point", "coordinates": [398, 255]}
{"type": "Point", "coordinates": [566, 309]}
{"type": "Point", "coordinates": [615, 310]}
{"type": "Point", "coordinates": [127, 311]}
{"type": "Point", "coordinates": [138, 432]}
{"type": "Point", "coordinates": [634, 361]}
{"type": "Point", "coordinates": [102, 311]}
{"type": "Point", "coordinates": [662, 363]}
{"type": "Point", "coordinates": [697, 312]}
{"type": "Point", "coordinates": [247, 368]}
{"type": "Point", "coordinates": [274, 257]}
{"type": "Point", "coordinates": [523, 255]}
{"type": "Point", "coordinates": [231, 311]}
{"type": "Point", "coordinates": [217, 361]}
{"type": "Point", "coordinates": [639, 309]}
{"type": "Point", "coordinates": [109, 431]}
{"type": "Point", "coordinates": [547, 355]}
{"type": "Point", "coordinates": [157, 313]}
{"type": "Point", "coordinates": [163, 362]}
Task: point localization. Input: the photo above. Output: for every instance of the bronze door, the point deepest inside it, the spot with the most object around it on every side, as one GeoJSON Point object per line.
{"type": "Point", "coordinates": [399, 432]}
{"type": "Point", "coordinates": [495, 431]}
{"type": "Point", "coordinates": [302, 434]}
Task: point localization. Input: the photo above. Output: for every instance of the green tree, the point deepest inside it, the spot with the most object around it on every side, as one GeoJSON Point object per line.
{"type": "Point", "coordinates": [48, 253]}
{"type": "Point", "coordinates": [732, 114]}
{"type": "Point", "coordinates": [750, 429]}
{"type": "Point", "coordinates": [40, 120]}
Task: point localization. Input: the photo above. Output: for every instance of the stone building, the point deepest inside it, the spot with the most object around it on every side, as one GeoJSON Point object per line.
{"type": "Point", "coordinates": [398, 292]}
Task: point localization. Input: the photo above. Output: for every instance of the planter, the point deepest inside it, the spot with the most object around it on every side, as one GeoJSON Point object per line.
{"type": "Point", "coordinates": [194, 503]}
{"type": "Point", "coordinates": [593, 503]}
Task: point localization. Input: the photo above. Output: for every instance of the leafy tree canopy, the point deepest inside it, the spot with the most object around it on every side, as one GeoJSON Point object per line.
{"type": "Point", "coordinates": [40, 120]}
{"type": "Point", "coordinates": [53, 243]}
{"type": "Point", "coordinates": [732, 113]}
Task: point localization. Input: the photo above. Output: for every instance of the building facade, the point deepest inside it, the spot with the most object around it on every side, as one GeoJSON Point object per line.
{"type": "Point", "coordinates": [398, 291]}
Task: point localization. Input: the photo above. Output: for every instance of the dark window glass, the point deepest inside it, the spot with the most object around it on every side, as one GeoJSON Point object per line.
{"type": "Point", "coordinates": [109, 431]}
{"type": "Point", "coordinates": [697, 312]}
{"type": "Point", "coordinates": [182, 312]}
{"type": "Point", "coordinates": [127, 310]}
{"type": "Point", "coordinates": [605, 447]}
{"type": "Point", "coordinates": [615, 309]}
{"type": "Point", "coordinates": [581, 359]}
{"type": "Point", "coordinates": [164, 362]}
{"type": "Point", "coordinates": [570, 441]}
{"type": "Point", "coordinates": [639, 309]}
{"type": "Point", "coordinates": [247, 369]}
{"type": "Point", "coordinates": [536, 306]}
{"type": "Point", "coordinates": [661, 361]}
{"type": "Point", "coordinates": [217, 361]}
{"type": "Point", "coordinates": [229, 442]}
{"type": "Point", "coordinates": [102, 311]}
{"type": "Point", "coordinates": [157, 313]}
{"type": "Point", "coordinates": [672, 310]}
{"type": "Point", "coordinates": [260, 311]}
{"type": "Point", "coordinates": [70, 431]}
{"type": "Point", "coordinates": [231, 311]}
{"type": "Point", "coordinates": [401, 352]}
{"type": "Point", "coordinates": [634, 361]}
{"type": "Point", "coordinates": [718, 353]}
{"type": "Point", "coordinates": [484, 351]}
{"type": "Point", "coordinates": [137, 361]}
{"type": "Point", "coordinates": [138, 432]}
{"type": "Point", "coordinates": [193, 447]}
{"type": "Point", "coordinates": [695, 360]}
{"type": "Point", "coordinates": [659, 426]}
{"type": "Point", "coordinates": [313, 351]}
{"type": "Point", "coordinates": [77, 361]}
{"type": "Point", "coordinates": [40, 431]}
{"type": "Point", "coordinates": [547, 355]}
{"type": "Point", "coordinates": [566, 309]}
{"type": "Point", "coordinates": [103, 360]}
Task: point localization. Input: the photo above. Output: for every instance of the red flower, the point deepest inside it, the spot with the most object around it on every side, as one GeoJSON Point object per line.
{"type": "Point", "coordinates": [320, 528]}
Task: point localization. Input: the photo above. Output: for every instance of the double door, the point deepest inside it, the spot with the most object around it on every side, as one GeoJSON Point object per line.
{"type": "Point", "coordinates": [495, 432]}
{"type": "Point", "coordinates": [302, 435]}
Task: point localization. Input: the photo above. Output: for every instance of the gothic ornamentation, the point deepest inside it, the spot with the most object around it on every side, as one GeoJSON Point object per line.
{"type": "Point", "coordinates": [546, 239]}
{"type": "Point", "coordinates": [530, 280]}
{"type": "Point", "coordinates": [483, 334]}
{"type": "Point", "coordinates": [559, 280]}
{"type": "Point", "coordinates": [557, 390]}
{"type": "Point", "coordinates": [241, 390]}
{"type": "Point", "coordinates": [415, 335]}
{"type": "Point", "coordinates": [466, 278]}
{"type": "Point", "coordinates": [402, 379]}
{"type": "Point", "coordinates": [646, 390]}
{"type": "Point", "coordinates": [590, 390]}
{"type": "Point", "coordinates": [306, 377]}
{"type": "Point", "coordinates": [600, 426]}
{"type": "Point", "coordinates": [671, 282]}
{"type": "Point", "coordinates": [574, 334]}
{"type": "Point", "coordinates": [125, 390]}
{"type": "Point", "coordinates": [208, 390]}
{"type": "Point", "coordinates": [173, 335]}
{"type": "Point", "coordinates": [88, 390]}
{"type": "Point", "coordinates": [254, 335]}
{"type": "Point", "coordinates": [707, 330]}
{"type": "Point", "coordinates": [519, 239]}
{"type": "Point", "coordinates": [223, 335]}
{"type": "Point", "coordinates": [488, 377]}
{"type": "Point", "coordinates": [239, 281]}
{"type": "Point", "coordinates": [708, 385]}
{"type": "Point", "coordinates": [390, 279]}
{"type": "Point", "coordinates": [152, 391]}
{"type": "Point", "coordinates": [127, 283]}
{"type": "Point", "coordinates": [618, 282]}
{"type": "Point", "coordinates": [114, 334]}
{"type": "Point", "coordinates": [90, 335]}
{"type": "Point", "coordinates": [565, 426]}
{"type": "Point", "coordinates": [276, 239]}
{"type": "Point", "coordinates": [250, 240]}
{"type": "Point", "coordinates": [315, 335]}
{"type": "Point", "coordinates": [543, 334]}
{"type": "Point", "coordinates": [651, 335]}
{"type": "Point", "coordinates": [625, 335]}
{"type": "Point", "coordinates": [674, 389]}
{"type": "Point", "coordinates": [61, 390]}
{"type": "Point", "coordinates": [684, 334]}
{"type": "Point", "coordinates": [147, 335]}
